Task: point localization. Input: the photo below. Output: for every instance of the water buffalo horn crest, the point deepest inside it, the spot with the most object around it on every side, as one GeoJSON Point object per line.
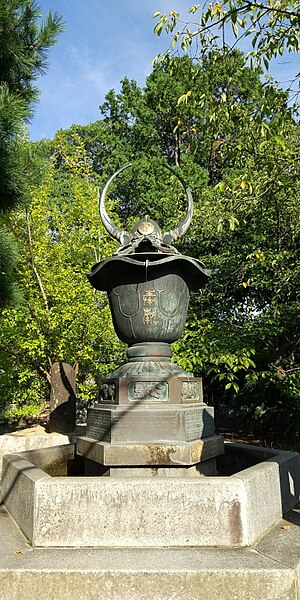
{"type": "Point", "coordinates": [119, 234]}
{"type": "Point", "coordinates": [180, 230]}
{"type": "Point", "coordinates": [168, 237]}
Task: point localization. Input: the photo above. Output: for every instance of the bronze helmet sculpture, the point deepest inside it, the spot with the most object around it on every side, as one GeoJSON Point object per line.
{"type": "Point", "coordinates": [148, 283]}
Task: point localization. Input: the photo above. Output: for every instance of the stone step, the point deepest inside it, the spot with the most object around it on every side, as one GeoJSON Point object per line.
{"type": "Point", "coordinates": [267, 571]}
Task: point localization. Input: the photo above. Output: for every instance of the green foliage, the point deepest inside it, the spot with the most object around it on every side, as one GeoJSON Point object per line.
{"type": "Point", "coordinates": [234, 139]}
{"type": "Point", "coordinates": [24, 42]}
{"type": "Point", "coordinates": [62, 317]}
{"type": "Point", "coordinates": [270, 403]}
{"type": "Point", "coordinates": [272, 28]}
{"type": "Point", "coordinates": [16, 413]}
{"type": "Point", "coordinates": [9, 255]}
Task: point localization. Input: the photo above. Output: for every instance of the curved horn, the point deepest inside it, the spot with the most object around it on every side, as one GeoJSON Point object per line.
{"type": "Point", "coordinates": [180, 230]}
{"type": "Point", "coordinates": [122, 236]}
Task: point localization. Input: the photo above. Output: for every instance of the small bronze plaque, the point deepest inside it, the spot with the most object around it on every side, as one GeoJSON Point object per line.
{"type": "Point", "coordinates": [199, 423]}
{"type": "Point", "coordinates": [99, 425]}
{"type": "Point", "coordinates": [193, 425]}
{"type": "Point", "coordinates": [146, 426]}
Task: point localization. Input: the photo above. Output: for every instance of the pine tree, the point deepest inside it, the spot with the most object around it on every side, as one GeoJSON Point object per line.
{"type": "Point", "coordinates": [24, 43]}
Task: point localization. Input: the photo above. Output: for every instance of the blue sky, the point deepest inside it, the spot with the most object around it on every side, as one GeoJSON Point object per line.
{"type": "Point", "coordinates": [103, 41]}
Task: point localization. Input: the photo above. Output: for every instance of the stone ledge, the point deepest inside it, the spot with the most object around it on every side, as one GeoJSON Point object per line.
{"type": "Point", "coordinates": [145, 512]}
{"type": "Point", "coordinates": [29, 439]}
{"type": "Point", "coordinates": [150, 454]}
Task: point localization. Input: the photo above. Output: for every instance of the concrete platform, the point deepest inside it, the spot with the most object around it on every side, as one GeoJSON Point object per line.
{"type": "Point", "coordinates": [268, 570]}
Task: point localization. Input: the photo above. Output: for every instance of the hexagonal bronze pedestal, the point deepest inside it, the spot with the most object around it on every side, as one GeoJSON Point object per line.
{"type": "Point", "coordinates": [146, 425]}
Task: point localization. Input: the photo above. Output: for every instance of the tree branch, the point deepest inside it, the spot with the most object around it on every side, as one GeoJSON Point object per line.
{"type": "Point", "coordinates": [27, 360]}
{"type": "Point", "coordinates": [40, 284]}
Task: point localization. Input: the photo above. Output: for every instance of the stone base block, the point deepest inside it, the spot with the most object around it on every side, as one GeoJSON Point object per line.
{"type": "Point", "coordinates": [139, 424]}
{"type": "Point", "coordinates": [150, 512]}
{"type": "Point", "coordinates": [150, 454]}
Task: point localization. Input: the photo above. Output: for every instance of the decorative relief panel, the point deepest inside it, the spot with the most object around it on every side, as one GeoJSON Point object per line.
{"type": "Point", "coordinates": [190, 391]}
{"type": "Point", "coordinates": [153, 391]}
{"type": "Point", "coordinates": [149, 297]}
{"type": "Point", "coordinates": [107, 392]}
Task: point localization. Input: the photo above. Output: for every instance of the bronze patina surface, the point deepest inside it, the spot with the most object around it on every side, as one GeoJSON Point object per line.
{"type": "Point", "coordinates": [149, 399]}
{"type": "Point", "coordinates": [148, 282]}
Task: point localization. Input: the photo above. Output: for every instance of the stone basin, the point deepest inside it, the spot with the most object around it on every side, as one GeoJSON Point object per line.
{"type": "Point", "coordinates": [255, 487]}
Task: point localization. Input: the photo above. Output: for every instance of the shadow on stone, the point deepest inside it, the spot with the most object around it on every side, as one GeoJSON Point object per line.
{"type": "Point", "coordinates": [62, 398]}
